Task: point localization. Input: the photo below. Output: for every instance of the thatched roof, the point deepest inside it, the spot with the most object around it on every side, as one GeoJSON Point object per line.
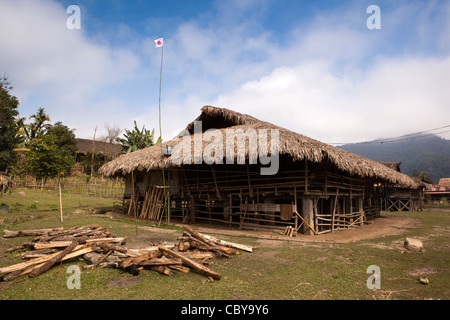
{"type": "Point", "coordinates": [445, 182]}
{"type": "Point", "coordinates": [292, 144]}
{"type": "Point", "coordinates": [393, 165]}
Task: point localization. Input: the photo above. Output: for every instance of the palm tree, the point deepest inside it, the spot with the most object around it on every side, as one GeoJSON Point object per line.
{"type": "Point", "coordinates": [28, 132]}
{"type": "Point", "coordinates": [38, 126]}
{"type": "Point", "coordinates": [137, 139]}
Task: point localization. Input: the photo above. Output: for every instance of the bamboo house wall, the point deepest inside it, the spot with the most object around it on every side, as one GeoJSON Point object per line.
{"type": "Point", "coordinates": [311, 198]}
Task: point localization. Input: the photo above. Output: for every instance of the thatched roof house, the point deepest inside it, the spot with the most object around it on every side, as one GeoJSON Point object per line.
{"type": "Point", "coordinates": [319, 178]}
{"type": "Point", "coordinates": [295, 145]}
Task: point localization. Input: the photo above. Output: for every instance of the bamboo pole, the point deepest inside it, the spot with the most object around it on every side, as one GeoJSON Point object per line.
{"type": "Point", "coordinates": [60, 205]}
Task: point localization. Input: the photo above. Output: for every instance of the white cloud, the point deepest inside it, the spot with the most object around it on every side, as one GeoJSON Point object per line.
{"type": "Point", "coordinates": [391, 98]}
{"type": "Point", "coordinates": [59, 68]}
{"type": "Point", "coordinates": [328, 77]}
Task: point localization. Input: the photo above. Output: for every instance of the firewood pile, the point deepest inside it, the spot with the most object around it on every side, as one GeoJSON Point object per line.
{"type": "Point", "coordinates": [99, 248]}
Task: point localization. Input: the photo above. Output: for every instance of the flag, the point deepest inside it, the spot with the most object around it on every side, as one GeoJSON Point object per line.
{"type": "Point", "coordinates": [159, 42]}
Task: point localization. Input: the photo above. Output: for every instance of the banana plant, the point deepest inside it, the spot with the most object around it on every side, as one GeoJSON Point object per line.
{"type": "Point", "coordinates": [137, 139]}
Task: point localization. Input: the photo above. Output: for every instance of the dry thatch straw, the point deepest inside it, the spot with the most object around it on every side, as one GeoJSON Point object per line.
{"type": "Point", "coordinates": [6, 184]}
{"type": "Point", "coordinates": [292, 144]}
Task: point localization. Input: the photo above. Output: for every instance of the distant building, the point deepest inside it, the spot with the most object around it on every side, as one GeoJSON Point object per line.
{"type": "Point", "coordinates": [402, 199]}
{"type": "Point", "coordinates": [441, 191]}
{"type": "Point", "coordinates": [444, 182]}
{"type": "Point", "coordinates": [109, 150]}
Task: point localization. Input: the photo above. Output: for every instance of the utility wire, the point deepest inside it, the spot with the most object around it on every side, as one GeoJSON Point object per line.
{"type": "Point", "coordinates": [399, 138]}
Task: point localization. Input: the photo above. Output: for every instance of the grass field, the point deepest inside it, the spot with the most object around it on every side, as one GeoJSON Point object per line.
{"type": "Point", "coordinates": [279, 270]}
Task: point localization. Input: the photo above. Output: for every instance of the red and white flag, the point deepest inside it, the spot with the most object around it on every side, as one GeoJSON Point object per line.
{"type": "Point", "coordinates": [159, 42]}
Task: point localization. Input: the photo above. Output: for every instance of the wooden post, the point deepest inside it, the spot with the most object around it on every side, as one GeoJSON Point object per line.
{"type": "Point", "coordinates": [334, 210]}
{"type": "Point", "coordinates": [306, 175]}
{"type": "Point", "coordinates": [168, 207]}
{"type": "Point", "coordinates": [215, 182]}
{"type": "Point", "coordinates": [249, 184]}
{"type": "Point", "coordinates": [60, 204]}
{"type": "Point", "coordinates": [308, 215]}
{"type": "Point", "coordinates": [133, 196]}
{"type": "Point", "coordinates": [93, 152]}
{"type": "Point", "coordinates": [295, 206]}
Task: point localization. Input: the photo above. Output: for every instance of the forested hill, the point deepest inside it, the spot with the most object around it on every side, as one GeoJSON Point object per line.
{"type": "Point", "coordinates": [428, 153]}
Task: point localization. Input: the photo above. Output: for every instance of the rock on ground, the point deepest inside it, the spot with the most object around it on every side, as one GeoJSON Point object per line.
{"type": "Point", "coordinates": [413, 244]}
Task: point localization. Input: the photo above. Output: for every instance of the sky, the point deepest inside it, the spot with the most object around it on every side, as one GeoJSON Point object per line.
{"type": "Point", "coordinates": [318, 68]}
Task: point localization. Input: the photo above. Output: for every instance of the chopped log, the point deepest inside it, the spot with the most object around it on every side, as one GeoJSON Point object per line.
{"type": "Point", "coordinates": [139, 252]}
{"type": "Point", "coordinates": [102, 259]}
{"type": "Point", "coordinates": [196, 266]}
{"type": "Point", "coordinates": [20, 248]}
{"type": "Point", "coordinates": [37, 253]}
{"type": "Point", "coordinates": [228, 244]}
{"type": "Point", "coordinates": [120, 240]}
{"type": "Point", "coordinates": [200, 255]}
{"type": "Point", "coordinates": [162, 270]}
{"type": "Point", "coordinates": [183, 245]}
{"type": "Point", "coordinates": [79, 250]}
{"type": "Point", "coordinates": [198, 236]}
{"type": "Point", "coordinates": [31, 232]}
{"type": "Point", "coordinates": [75, 232]}
{"type": "Point", "coordinates": [58, 257]}
{"type": "Point", "coordinates": [136, 260]}
{"type": "Point", "coordinates": [163, 261]}
{"type": "Point", "coordinates": [62, 244]}
{"type": "Point", "coordinates": [106, 246]}
{"type": "Point", "coordinates": [200, 244]}
{"type": "Point", "coordinates": [24, 265]}
{"type": "Point", "coordinates": [180, 268]}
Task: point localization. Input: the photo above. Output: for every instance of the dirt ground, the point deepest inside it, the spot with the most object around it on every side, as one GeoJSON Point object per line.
{"type": "Point", "coordinates": [375, 228]}
{"type": "Point", "coordinates": [381, 226]}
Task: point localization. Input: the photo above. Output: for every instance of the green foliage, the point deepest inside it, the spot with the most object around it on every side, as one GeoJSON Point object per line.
{"type": "Point", "coordinates": [52, 154]}
{"type": "Point", "coordinates": [422, 176]}
{"type": "Point", "coordinates": [137, 139]}
{"type": "Point", "coordinates": [88, 162]}
{"type": "Point", "coordinates": [30, 131]}
{"type": "Point", "coordinates": [8, 128]}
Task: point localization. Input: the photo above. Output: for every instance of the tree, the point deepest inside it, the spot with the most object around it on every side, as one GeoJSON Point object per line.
{"type": "Point", "coordinates": [52, 154]}
{"type": "Point", "coordinates": [423, 176]}
{"type": "Point", "coordinates": [92, 163]}
{"type": "Point", "coordinates": [8, 127]}
{"type": "Point", "coordinates": [32, 130]}
{"type": "Point", "coordinates": [113, 133]}
{"type": "Point", "coordinates": [137, 139]}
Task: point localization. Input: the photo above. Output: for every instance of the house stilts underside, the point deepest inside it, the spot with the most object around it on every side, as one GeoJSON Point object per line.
{"type": "Point", "coordinates": [309, 198]}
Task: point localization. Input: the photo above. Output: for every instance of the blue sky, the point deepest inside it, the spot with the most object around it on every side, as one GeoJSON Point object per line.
{"type": "Point", "coordinates": [310, 66]}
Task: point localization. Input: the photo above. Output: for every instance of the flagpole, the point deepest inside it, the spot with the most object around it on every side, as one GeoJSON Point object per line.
{"type": "Point", "coordinates": [160, 135]}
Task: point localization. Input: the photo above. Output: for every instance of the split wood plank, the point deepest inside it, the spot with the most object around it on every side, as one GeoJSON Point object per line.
{"type": "Point", "coordinates": [209, 244]}
{"type": "Point", "coordinates": [163, 261]}
{"type": "Point", "coordinates": [227, 243]}
{"type": "Point", "coordinates": [196, 266]}
{"type": "Point", "coordinates": [61, 244]}
{"type": "Point", "coordinates": [58, 257]}
{"type": "Point", "coordinates": [79, 250]}
{"type": "Point", "coordinates": [31, 232]}
{"type": "Point", "coordinates": [180, 268]}
{"type": "Point", "coordinates": [137, 260]}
